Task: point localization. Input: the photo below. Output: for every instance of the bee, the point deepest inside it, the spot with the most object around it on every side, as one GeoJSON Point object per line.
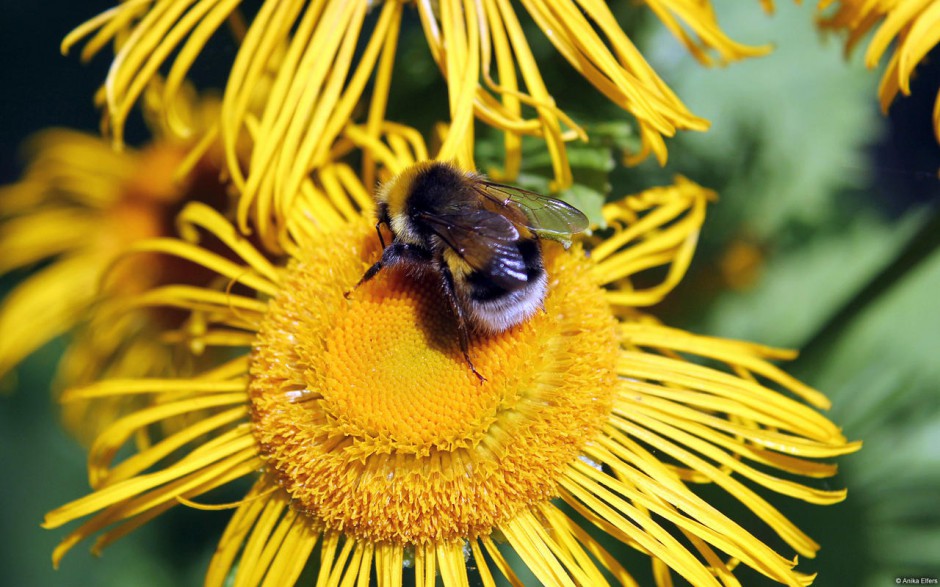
{"type": "Point", "coordinates": [479, 238]}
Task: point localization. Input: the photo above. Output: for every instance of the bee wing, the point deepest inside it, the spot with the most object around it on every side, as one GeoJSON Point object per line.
{"type": "Point", "coordinates": [546, 216]}
{"type": "Point", "coordinates": [486, 241]}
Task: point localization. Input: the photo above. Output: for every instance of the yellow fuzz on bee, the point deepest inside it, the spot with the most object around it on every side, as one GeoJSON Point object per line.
{"type": "Point", "coordinates": [371, 419]}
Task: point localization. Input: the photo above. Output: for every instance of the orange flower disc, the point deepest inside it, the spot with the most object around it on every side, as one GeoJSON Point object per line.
{"type": "Point", "coordinates": [371, 419]}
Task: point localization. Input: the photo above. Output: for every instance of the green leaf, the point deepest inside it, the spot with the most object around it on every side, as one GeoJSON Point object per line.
{"type": "Point", "coordinates": [588, 200]}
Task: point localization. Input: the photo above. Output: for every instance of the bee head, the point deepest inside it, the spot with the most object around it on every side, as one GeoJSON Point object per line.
{"type": "Point", "coordinates": [414, 189]}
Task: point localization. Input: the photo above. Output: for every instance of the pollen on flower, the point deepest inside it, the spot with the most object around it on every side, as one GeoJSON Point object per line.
{"type": "Point", "coordinates": [391, 436]}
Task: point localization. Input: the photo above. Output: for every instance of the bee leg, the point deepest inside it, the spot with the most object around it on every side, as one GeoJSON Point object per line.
{"type": "Point", "coordinates": [393, 254]}
{"type": "Point", "coordinates": [369, 274]}
{"type": "Point", "coordinates": [463, 332]}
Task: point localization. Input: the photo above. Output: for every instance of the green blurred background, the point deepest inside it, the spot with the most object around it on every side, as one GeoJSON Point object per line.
{"type": "Point", "coordinates": [825, 239]}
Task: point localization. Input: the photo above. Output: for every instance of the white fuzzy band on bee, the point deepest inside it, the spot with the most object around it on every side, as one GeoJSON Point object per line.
{"type": "Point", "coordinates": [513, 308]}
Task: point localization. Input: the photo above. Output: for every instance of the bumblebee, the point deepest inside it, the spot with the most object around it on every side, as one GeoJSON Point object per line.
{"type": "Point", "coordinates": [479, 238]}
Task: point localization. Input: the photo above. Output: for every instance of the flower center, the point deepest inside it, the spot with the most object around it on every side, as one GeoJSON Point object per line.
{"type": "Point", "coordinates": [370, 417]}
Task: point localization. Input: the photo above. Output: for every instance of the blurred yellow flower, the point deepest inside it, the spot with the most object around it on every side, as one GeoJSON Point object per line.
{"type": "Point", "coordinates": [374, 449]}
{"type": "Point", "coordinates": [913, 26]}
{"type": "Point", "coordinates": [302, 68]}
{"type": "Point", "coordinates": [77, 208]}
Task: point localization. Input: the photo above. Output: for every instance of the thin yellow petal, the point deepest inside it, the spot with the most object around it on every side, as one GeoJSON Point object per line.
{"type": "Point", "coordinates": [112, 387]}
{"type": "Point", "coordinates": [113, 438]}
{"type": "Point", "coordinates": [198, 37]}
{"type": "Point", "coordinates": [573, 540]}
{"type": "Point", "coordinates": [199, 214]}
{"type": "Point", "coordinates": [379, 100]}
{"type": "Point", "coordinates": [453, 568]}
{"type": "Point", "coordinates": [331, 562]}
{"type": "Point", "coordinates": [269, 528]}
{"type": "Point", "coordinates": [233, 537]}
{"type": "Point", "coordinates": [389, 560]}
{"type": "Point", "coordinates": [536, 549]}
{"type": "Point", "coordinates": [125, 490]}
{"type": "Point", "coordinates": [292, 557]}
{"type": "Point", "coordinates": [147, 504]}
{"type": "Point", "coordinates": [501, 563]}
{"type": "Point", "coordinates": [208, 260]}
{"type": "Point", "coordinates": [700, 19]}
{"type": "Point", "coordinates": [204, 484]}
{"type": "Point", "coordinates": [188, 297]}
{"type": "Point", "coordinates": [639, 527]}
{"type": "Point", "coordinates": [923, 36]}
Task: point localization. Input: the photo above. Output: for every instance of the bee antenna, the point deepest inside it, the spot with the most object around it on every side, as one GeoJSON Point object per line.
{"type": "Point", "coordinates": [378, 231]}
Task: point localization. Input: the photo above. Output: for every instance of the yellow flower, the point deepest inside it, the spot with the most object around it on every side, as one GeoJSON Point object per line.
{"type": "Point", "coordinates": [299, 75]}
{"type": "Point", "coordinates": [77, 208]}
{"type": "Point", "coordinates": [913, 26]}
{"type": "Point", "coordinates": [372, 446]}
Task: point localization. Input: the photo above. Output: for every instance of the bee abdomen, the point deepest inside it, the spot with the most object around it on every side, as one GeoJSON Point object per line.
{"type": "Point", "coordinates": [505, 273]}
{"type": "Point", "coordinates": [483, 288]}
{"type": "Point", "coordinates": [496, 313]}
{"type": "Point", "coordinates": [496, 305]}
